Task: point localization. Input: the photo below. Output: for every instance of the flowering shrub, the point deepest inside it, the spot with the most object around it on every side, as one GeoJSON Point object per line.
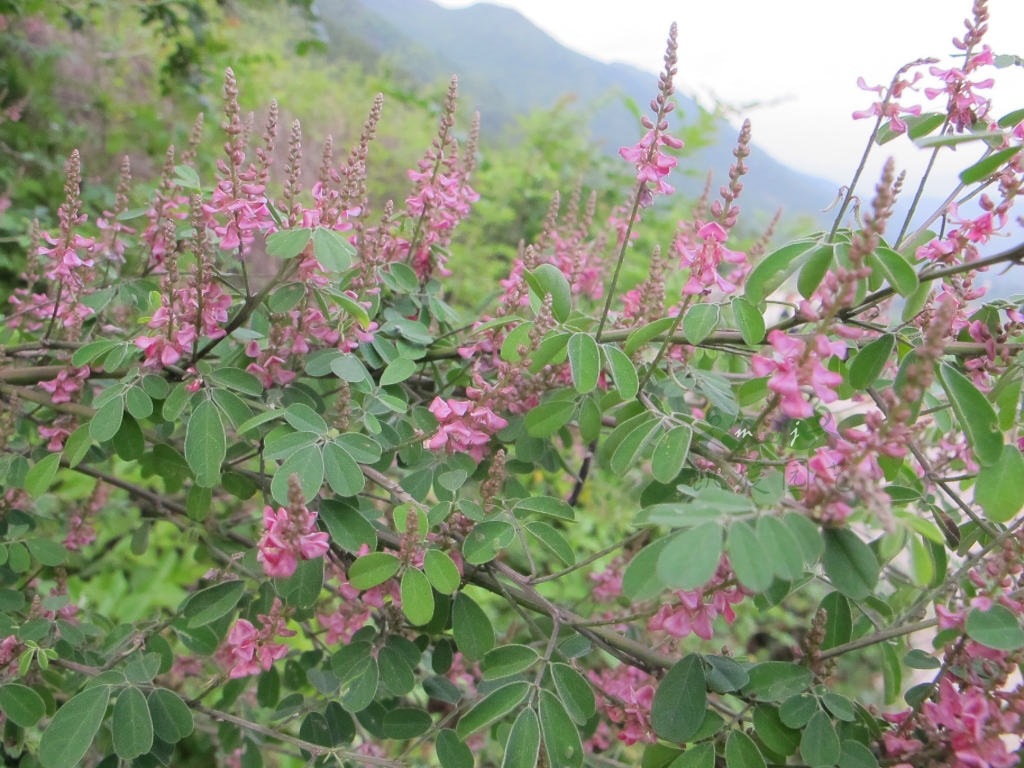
{"type": "Point", "coordinates": [325, 516]}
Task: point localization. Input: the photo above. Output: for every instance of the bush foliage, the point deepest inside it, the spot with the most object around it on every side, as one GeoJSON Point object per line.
{"type": "Point", "coordinates": [286, 479]}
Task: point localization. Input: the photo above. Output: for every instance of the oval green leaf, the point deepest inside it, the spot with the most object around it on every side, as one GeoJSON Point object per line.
{"type": "Point", "coordinates": [73, 728]}
{"type": "Point", "coordinates": [680, 701]}
{"type": "Point", "coordinates": [131, 724]}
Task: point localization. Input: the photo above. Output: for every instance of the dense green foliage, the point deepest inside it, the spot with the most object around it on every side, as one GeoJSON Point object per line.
{"type": "Point", "coordinates": [408, 448]}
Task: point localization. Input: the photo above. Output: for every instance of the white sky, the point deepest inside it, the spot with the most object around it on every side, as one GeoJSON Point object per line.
{"type": "Point", "coordinates": [798, 59]}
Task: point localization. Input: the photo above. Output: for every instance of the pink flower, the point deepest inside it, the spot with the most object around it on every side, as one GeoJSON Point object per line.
{"type": "Point", "coordinates": [248, 650]}
{"type": "Point", "coordinates": [652, 165]}
{"type": "Point", "coordinates": [464, 427]}
{"type": "Point", "coordinates": [289, 535]}
{"type": "Point", "coordinates": [794, 366]}
{"type": "Point", "coordinates": [703, 258]}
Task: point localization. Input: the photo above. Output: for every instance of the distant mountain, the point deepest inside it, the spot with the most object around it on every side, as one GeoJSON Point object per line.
{"type": "Point", "coordinates": [507, 67]}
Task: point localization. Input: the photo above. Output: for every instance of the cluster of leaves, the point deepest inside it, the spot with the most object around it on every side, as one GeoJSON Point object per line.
{"type": "Point", "coordinates": [446, 459]}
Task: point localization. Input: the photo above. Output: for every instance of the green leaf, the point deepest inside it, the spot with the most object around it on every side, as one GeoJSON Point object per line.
{"type": "Point", "coordinates": [205, 444]}
{"type": "Point", "coordinates": [40, 477]}
{"type": "Point", "coordinates": [138, 403]}
{"type": "Point", "coordinates": [575, 692]}
{"type": "Point", "coordinates": [471, 628]}
{"type": "Point", "coordinates": [506, 660]}
{"type": "Point", "coordinates": [898, 273]}
{"type": "Point", "coordinates": [492, 707]}
{"type": "Point", "coordinates": [417, 597]}
{"type": "Point", "coordinates": [998, 487]}
{"type": "Point", "coordinates": [742, 752]}
{"type": "Point", "coordinates": [680, 702]}
{"type": "Point", "coordinates": [988, 165]}
{"type": "Point", "coordinates": [131, 724]}
{"type": "Point", "coordinates": [850, 563]}
{"type": "Point", "coordinates": [107, 420]}
{"type": "Point", "coordinates": [623, 372]}
{"type": "Point", "coordinates": [544, 505]}
{"type": "Point", "coordinates": [548, 279]}
{"type": "Point", "coordinates": [406, 723]}
{"type": "Point", "coordinates": [304, 419]}
{"type": "Point", "coordinates": [631, 442]}
{"type": "Point", "coordinates": [398, 370]}
{"type": "Point", "coordinates": [372, 569]}
{"type": "Point", "coordinates": [486, 540]}
{"type": "Point", "coordinates": [185, 176]}
{"type": "Point", "coordinates": [73, 728]}
{"type": "Point", "coordinates": [584, 361]}
{"type": "Point", "coordinates": [780, 547]}
{"type": "Point", "coordinates": [332, 250]}
{"type": "Point", "coordinates": [22, 705]}
{"type": "Point", "coordinates": [94, 350]}
{"type": "Point", "coordinates": [441, 571]}
{"type": "Point", "coordinates": [838, 622]}
{"type": "Point", "coordinates": [670, 453]}
{"type": "Point", "coordinates": [238, 380]}
{"type": "Point", "coordinates": [552, 540]}
{"type": "Point", "coordinates": [561, 737]}
{"type": "Point", "coordinates": [777, 680]}
{"type": "Point", "coordinates": [853, 754]}
{"type": "Point", "coordinates": [700, 321]}
{"type": "Point", "coordinates": [814, 270]}
{"type": "Point", "coordinates": [342, 472]}
{"type": "Point", "coordinates": [288, 243]}
{"type": "Point", "coordinates": [773, 269]}
{"type": "Point", "coordinates": [775, 734]}
{"type": "Point", "coordinates": [696, 756]}
{"type": "Point", "coordinates": [975, 413]}
{"type": "Point", "coordinates": [209, 604]}
{"type": "Point", "coordinates": [77, 445]}
{"type": "Point", "coordinates": [47, 552]}
{"type": "Point", "coordinates": [523, 744]}
{"type": "Point", "coordinates": [307, 464]}
{"type": "Point", "coordinates": [725, 675]}
{"type": "Point", "coordinates": [546, 419]}
{"type": "Point", "coordinates": [691, 557]}
{"type": "Point", "coordinates": [646, 333]}
{"type": "Point", "coordinates": [359, 685]}
{"type": "Point", "coordinates": [753, 570]}
{"type": "Point", "coordinates": [452, 752]}
{"type": "Point", "coordinates": [998, 628]}
{"type": "Point", "coordinates": [749, 320]}
{"type": "Point", "coordinates": [640, 579]}
{"type": "Point", "coordinates": [819, 745]}
{"type": "Point", "coordinates": [302, 589]}
{"type": "Point", "coordinates": [869, 363]}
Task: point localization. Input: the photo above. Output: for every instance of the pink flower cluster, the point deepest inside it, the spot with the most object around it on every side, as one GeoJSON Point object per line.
{"type": "Point", "coordinates": [625, 695]}
{"type": "Point", "coordinates": [797, 364]}
{"type": "Point", "coordinates": [248, 650]}
{"type": "Point", "coordinates": [702, 252]}
{"type": "Point", "coordinates": [464, 427]}
{"type": "Point", "coordinates": [888, 106]}
{"type": "Point", "coordinates": [287, 536]}
{"type": "Point", "coordinates": [652, 165]}
{"type": "Point", "coordinates": [185, 315]}
{"type": "Point", "coordinates": [964, 106]}
{"type": "Point", "coordinates": [695, 610]}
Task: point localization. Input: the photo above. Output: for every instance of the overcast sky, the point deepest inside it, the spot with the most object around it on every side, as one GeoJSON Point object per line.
{"type": "Point", "coordinates": [791, 66]}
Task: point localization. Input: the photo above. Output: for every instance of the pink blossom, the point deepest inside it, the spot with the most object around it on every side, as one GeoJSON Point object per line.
{"type": "Point", "coordinates": [702, 253]}
{"type": "Point", "coordinates": [289, 535]}
{"type": "Point", "coordinates": [625, 695]}
{"type": "Point", "coordinates": [889, 108]}
{"type": "Point", "coordinates": [796, 365]}
{"type": "Point", "coordinates": [464, 427]}
{"type": "Point", "coordinates": [248, 650]}
{"type": "Point", "coordinates": [652, 165]}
